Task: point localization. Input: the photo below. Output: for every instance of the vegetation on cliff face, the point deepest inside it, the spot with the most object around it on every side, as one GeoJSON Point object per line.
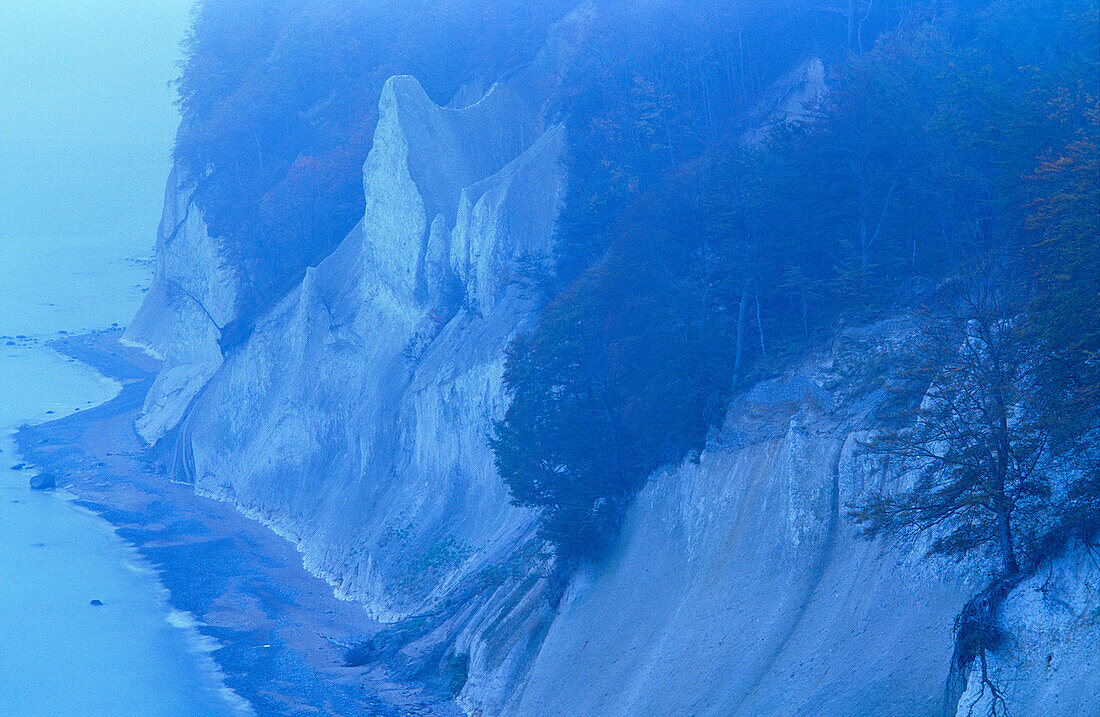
{"type": "Point", "coordinates": [279, 101]}
{"type": "Point", "coordinates": [961, 134]}
{"type": "Point", "coordinates": [688, 261]}
{"type": "Point", "coordinates": [971, 438]}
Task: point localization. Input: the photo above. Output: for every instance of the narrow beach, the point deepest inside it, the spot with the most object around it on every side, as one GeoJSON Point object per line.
{"type": "Point", "coordinates": [280, 631]}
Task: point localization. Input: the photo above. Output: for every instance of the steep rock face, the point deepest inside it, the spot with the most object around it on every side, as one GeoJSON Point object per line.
{"type": "Point", "coordinates": [739, 585]}
{"type": "Point", "coordinates": [193, 294]}
{"type": "Point", "coordinates": [355, 417]}
{"type": "Point", "coordinates": [788, 101]}
{"type": "Point", "coordinates": [1049, 662]}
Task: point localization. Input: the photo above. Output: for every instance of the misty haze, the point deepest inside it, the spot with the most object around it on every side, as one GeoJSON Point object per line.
{"type": "Point", "coordinates": [523, 358]}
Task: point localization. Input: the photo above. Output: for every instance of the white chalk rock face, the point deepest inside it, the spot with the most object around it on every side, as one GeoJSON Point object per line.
{"type": "Point", "coordinates": [788, 100]}
{"type": "Point", "coordinates": [1049, 662]}
{"type": "Point", "coordinates": [193, 294]}
{"type": "Point", "coordinates": [740, 587]}
{"type": "Point", "coordinates": [354, 421]}
{"type": "Point", "coordinates": [355, 418]}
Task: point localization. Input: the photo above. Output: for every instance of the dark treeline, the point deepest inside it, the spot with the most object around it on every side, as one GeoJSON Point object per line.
{"type": "Point", "coordinates": [692, 256]}
{"type": "Point", "coordinates": [280, 98]}
{"type": "Point", "coordinates": [689, 262]}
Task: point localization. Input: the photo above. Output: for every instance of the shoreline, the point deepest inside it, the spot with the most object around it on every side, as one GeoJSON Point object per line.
{"type": "Point", "coordinates": [280, 631]}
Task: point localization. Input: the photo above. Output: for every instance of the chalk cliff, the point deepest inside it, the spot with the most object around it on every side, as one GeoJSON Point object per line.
{"type": "Point", "coordinates": [739, 586]}
{"type": "Point", "coordinates": [1049, 662]}
{"type": "Point", "coordinates": [354, 421]}
{"type": "Point", "coordinates": [192, 296]}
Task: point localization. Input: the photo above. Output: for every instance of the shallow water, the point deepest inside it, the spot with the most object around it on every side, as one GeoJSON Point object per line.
{"type": "Point", "coordinates": [59, 654]}
{"type": "Point", "coordinates": [86, 127]}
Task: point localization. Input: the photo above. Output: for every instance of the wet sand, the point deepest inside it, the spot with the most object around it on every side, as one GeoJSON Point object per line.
{"type": "Point", "coordinates": [281, 632]}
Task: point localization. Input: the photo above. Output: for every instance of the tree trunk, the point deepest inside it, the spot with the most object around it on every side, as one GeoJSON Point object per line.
{"type": "Point", "coordinates": [859, 28]}
{"type": "Point", "coordinates": [760, 328]}
{"type": "Point", "coordinates": [741, 59]}
{"type": "Point", "coordinates": [861, 212]}
{"type": "Point", "coordinates": [851, 18]}
{"type": "Point", "coordinates": [1004, 539]}
{"type": "Point", "coordinates": [805, 316]}
{"type": "Point", "coordinates": [1002, 451]}
{"type": "Point", "coordinates": [864, 249]}
{"type": "Point", "coordinates": [740, 333]}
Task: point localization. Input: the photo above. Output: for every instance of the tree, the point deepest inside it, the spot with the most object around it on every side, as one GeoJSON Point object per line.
{"type": "Point", "coordinates": [974, 448]}
{"type": "Point", "coordinates": [627, 371]}
{"type": "Point", "coordinates": [1065, 264]}
{"type": "Point", "coordinates": [279, 102]}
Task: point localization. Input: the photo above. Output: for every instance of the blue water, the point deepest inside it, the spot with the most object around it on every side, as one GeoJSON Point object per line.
{"type": "Point", "coordinates": [60, 655]}
{"type": "Point", "coordinates": [86, 129]}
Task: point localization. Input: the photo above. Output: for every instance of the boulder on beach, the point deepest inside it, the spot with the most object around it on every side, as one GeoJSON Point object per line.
{"type": "Point", "coordinates": [43, 481]}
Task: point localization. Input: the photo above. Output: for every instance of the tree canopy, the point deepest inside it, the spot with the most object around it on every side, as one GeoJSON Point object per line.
{"type": "Point", "coordinates": [690, 256]}
{"type": "Point", "coordinates": [688, 261]}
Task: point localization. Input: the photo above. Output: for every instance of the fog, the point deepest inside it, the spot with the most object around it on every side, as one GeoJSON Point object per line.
{"type": "Point", "coordinates": [549, 357]}
{"type": "Point", "coordinates": [86, 115]}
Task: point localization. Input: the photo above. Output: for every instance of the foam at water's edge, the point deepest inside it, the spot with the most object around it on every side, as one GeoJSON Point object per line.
{"type": "Point", "coordinates": [203, 646]}
{"type": "Point", "coordinates": [147, 350]}
{"type": "Point", "coordinates": [199, 646]}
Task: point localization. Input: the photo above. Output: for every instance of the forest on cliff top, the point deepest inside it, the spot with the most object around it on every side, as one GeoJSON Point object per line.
{"type": "Point", "coordinates": [954, 139]}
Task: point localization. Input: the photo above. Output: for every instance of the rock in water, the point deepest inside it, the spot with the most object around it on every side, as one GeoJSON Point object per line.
{"type": "Point", "coordinates": [97, 602]}
{"type": "Point", "coordinates": [43, 481]}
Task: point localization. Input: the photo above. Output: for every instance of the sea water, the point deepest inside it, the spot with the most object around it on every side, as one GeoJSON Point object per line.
{"type": "Point", "coordinates": [60, 654]}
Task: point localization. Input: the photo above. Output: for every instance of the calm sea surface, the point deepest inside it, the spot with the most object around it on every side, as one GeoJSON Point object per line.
{"type": "Point", "coordinates": [60, 655]}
